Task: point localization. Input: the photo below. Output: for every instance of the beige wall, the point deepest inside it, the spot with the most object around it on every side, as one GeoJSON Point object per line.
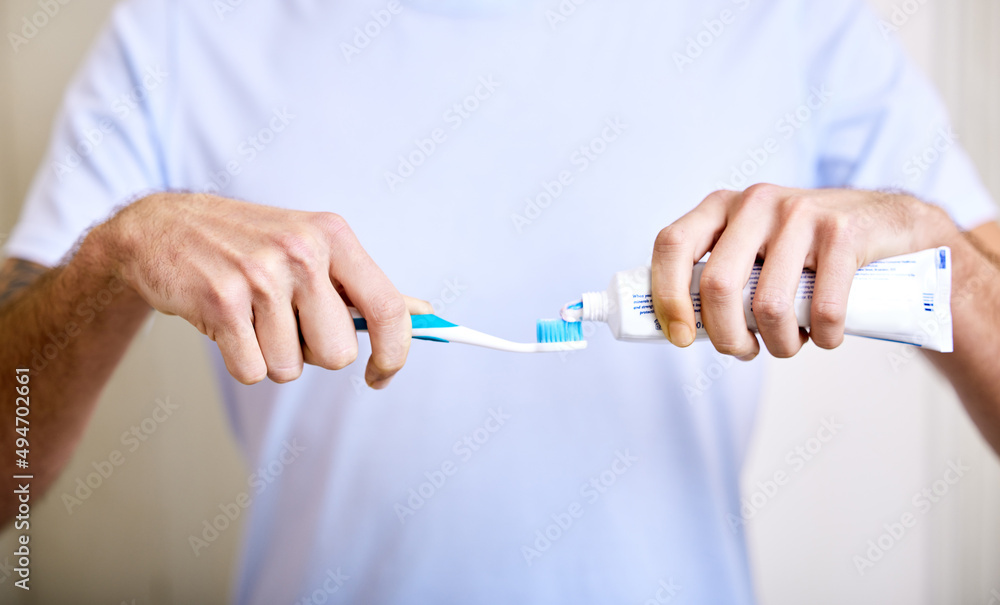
{"type": "Point", "coordinates": [127, 542]}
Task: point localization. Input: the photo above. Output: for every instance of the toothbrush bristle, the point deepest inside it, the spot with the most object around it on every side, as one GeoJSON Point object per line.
{"type": "Point", "coordinates": [557, 330]}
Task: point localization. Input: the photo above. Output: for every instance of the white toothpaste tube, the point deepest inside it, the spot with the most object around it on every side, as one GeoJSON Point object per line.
{"type": "Point", "coordinates": [904, 299]}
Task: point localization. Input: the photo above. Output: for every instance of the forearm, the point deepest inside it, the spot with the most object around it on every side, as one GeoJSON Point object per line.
{"type": "Point", "coordinates": [972, 368]}
{"type": "Point", "coordinates": [70, 328]}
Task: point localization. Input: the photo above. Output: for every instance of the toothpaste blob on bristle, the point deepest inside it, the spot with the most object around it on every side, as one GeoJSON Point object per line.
{"type": "Point", "coordinates": [557, 330]}
{"type": "Point", "coordinates": [572, 311]}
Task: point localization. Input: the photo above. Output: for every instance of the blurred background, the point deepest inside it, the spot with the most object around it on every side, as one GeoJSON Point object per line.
{"type": "Point", "coordinates": [901, 426]}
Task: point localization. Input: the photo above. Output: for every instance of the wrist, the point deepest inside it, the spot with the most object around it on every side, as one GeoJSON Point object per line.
{"type": "Point", "coordinates": [101, 260]}
{"type": "Point", "coordinates": [932, 227]}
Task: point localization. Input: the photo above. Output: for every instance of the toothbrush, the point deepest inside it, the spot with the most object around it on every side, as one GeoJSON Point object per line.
{"type": "Point", "coordinates": [554, 335]}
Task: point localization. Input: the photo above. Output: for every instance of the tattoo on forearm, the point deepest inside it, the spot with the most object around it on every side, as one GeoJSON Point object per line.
{"type": "Point", "coordinates": [15, 276]}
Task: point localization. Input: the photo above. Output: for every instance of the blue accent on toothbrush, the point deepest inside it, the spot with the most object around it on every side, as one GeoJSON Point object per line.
{"type": "Point", "coordinates": [430, 321]}
{"type": "Point", "coordinates": [430, 338]}
{"type": "Point", "coordinates": [418, 321]}
{"type": "Point", "coordinates": [557, 330]}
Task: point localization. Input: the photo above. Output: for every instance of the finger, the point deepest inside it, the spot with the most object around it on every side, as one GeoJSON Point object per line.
{"type": "Point", "coordinates": [378, 301]}
{"type": "Point", "coordinates": [722, 283]}
{"type": "Point", "coordinates": [417, 306]}
{"type": "Point", "coordinates": [774, 301]}
{"type": "Point", "coordinates": [677, 248]}
{"type": "Point", "coordinates": [278, 337]}
{"type": "Point", "coordinates": [326, 326]}
{"type": "Point", "coordinates": [836, 264]}
{"type": "Point", "coordinates": [238, 344]}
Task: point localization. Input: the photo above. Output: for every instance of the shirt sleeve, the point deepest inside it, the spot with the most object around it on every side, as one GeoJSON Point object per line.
{"type": "Point", "coordinates": [886, 127]}
{"type": "Point", "coordinates": [104, 151]}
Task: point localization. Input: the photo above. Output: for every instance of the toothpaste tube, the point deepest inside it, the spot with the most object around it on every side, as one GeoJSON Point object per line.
{"type": "Point", "coordinates": [904, 299]}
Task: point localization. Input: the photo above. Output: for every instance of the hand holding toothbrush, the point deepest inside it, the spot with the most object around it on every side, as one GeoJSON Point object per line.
{"type": "Point", "coordinates": [272, 287]}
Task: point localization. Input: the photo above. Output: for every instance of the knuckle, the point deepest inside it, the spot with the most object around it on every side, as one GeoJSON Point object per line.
{"type": "Point", "coordinates": [795, 207]}
{"type": "Point", "coordinates": [837, 230]}
{"type": "Point", "coordinates": [669, 239]}
{"type": "Point", "coordinates": [670, 305]}
{"type": "Point", "coordinates": [331, 224]}
{"type": "Point", "coordinates": [720, 197]}
{"type": "Point", "coordinates": [828, 313]}
{"type": "Point", "coordinates": [385, 309]}
{"type": "Point", "coordinates": [261, 273]}
{"type": "Point", "coordinates": [301, 250]}
{"type": "Point", "coordinates": [771, 306]}
{"type": "Point", "coordinates": [225, 301]}
{"type": "Point", "coordinates": [761, 194]}
{"type": "Point", "coordinates": [717, 286]}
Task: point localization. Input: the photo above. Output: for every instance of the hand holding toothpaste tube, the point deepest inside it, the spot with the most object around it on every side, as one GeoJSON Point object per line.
{"type": "Point", "coordinates": [833, 232]}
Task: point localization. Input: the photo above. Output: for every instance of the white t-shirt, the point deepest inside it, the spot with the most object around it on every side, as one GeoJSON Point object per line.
{"type": "Point", "coordinates": [497, 158]}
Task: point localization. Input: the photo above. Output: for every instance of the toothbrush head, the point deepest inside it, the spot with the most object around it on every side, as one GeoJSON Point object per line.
{"type": "Point", "coordinates": [558, 330]}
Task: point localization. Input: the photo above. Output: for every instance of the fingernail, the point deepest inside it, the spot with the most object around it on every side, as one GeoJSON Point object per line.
{"type": "Point", "coordinates": [748, 357]}
{"type": "Point", "coordinates": [679, 333]}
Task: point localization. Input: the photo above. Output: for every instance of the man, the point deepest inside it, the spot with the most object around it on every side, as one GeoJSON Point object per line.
{"type": "Point", "coordinates": [512, 155]}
